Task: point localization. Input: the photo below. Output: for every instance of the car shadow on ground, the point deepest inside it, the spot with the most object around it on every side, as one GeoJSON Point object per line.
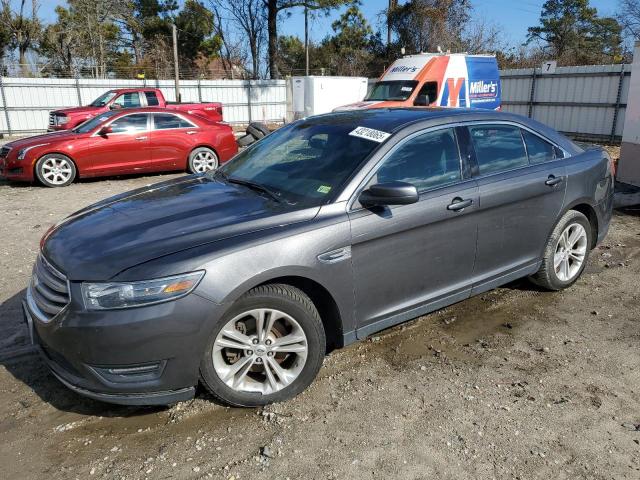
{"type": "Point", "coordinates": [24, 363]}
{"type": "Point", "coordinates": [88, 180]}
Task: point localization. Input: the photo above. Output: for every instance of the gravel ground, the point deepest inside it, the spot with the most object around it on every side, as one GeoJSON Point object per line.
{"type": "Point", "coordinates": [516, 383]}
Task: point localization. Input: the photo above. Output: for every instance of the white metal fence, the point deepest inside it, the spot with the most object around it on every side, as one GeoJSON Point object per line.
{"type": "Point", "coordinates": [25, 103]}
{"type": "Point", "coordinates": [584, 102]}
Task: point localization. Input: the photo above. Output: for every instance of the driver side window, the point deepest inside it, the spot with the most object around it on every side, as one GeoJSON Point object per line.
{"type": "Point", "coordinates": [128, 100]}
{"type": "Point", "coordinates": [426, 161]}
{"type": "Point", "coordinates": [427, 94]}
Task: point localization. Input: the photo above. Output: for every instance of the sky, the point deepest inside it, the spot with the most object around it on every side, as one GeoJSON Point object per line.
{"type": "Point", "coordinates": [511, 16]}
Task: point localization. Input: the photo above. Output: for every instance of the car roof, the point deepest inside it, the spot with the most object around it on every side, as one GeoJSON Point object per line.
{"type": "Point", "coordinates": [393, 119]}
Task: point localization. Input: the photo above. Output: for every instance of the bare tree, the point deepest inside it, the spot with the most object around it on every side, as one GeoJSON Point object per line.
{"type": "Point", "coordinates": [629, 17]}
{"type": "Point", "coordinates": [249, 17]}
{"type": "Point", "coordinates": [232, 53]}
{"type": "Point", "coordinates": [23, 30]}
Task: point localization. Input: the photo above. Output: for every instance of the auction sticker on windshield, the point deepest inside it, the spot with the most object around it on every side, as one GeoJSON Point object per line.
{"type": "Point", "coordinates": [370, 134]}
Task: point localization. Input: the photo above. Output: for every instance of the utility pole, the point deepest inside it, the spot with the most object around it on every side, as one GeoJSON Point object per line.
{"type": "Point", "coordinates": [392, 5]}
{"type": "Point", "coordinates": [306, 40]}
{"type": "Point", "coordinates": [175, 60]}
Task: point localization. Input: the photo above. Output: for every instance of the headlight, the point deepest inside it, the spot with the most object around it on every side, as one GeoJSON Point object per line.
{"type": "Point", "coordinates": [23, 151]}
{"type": "Point", "coordinates": [62, 119]}
{"type": "Point", "coordinates": [108, 295]}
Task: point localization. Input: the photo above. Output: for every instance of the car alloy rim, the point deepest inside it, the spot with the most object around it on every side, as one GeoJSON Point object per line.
{"type": "Point", "coordinates": [56, 170]}
{"type": "Point", "coordinates": [570, 252]}
{"type": "Point", "coordinates": [261, 350]}
{"type": "Point", "coordinates": [204, 161]}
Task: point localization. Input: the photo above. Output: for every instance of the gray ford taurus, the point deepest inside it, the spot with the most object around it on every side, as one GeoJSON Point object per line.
{"type": "Point", "coordinates": [327, 230]}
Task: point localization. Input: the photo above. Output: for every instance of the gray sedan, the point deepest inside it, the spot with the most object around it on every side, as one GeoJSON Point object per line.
{"type": "Point", "coordinates": [330, 229]}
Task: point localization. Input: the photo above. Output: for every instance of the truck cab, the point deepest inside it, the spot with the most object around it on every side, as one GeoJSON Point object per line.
{"type": "Point", "coordinates": [436, 80]}
{"type": "Point", "coordinates": [68, 118]}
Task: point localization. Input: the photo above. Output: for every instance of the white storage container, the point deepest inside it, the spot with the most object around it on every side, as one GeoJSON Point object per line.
{"type": "Point", "coordinates": [315, 95]}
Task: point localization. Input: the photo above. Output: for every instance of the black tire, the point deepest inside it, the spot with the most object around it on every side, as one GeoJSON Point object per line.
{"type": "Point", "coordinates": [255, 132]}
{"type": "Point", "coordinates": [246, 140]}
{"type": "Point", "coordinates": [43, 171]}
{"type": "Point", "coordinates": [547, 277]}
{"type": "Point", "coordinates": [196, 161]}
{"type": "Point", "coordinates": [260, 127]}
{"type": "Point", "coordinates": [291, 301]}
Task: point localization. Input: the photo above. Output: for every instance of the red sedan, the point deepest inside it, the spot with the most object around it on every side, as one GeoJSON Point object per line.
{"type": "Point", "coordinates": [120, 142]}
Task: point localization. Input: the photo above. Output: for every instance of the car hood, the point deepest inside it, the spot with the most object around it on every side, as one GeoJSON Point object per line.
{"type": "Point", "coordinates": [41, 139]}
{"type": "Point", "coordinates": [79, 110]}
{"type": "Point", "coordinates": [102, 240]}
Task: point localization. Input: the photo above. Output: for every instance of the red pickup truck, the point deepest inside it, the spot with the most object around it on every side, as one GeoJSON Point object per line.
{"type": "Point", "coordinates": [68, 118]}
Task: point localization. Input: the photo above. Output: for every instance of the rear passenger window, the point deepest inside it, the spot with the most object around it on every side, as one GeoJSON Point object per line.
{"type": "Point", "coordinates": [498, 148]}
{"type": "Point", "coordinates": [164, 121]}
{"type": "Point", "coordinates": [538, 149]}
{"type": "Point", "coordinates": [426, 161]}
{"type": "Point", "coordinates": [152, 98]}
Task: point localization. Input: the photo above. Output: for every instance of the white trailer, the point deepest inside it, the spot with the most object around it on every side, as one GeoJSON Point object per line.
{"type": "Point", "coordinates": [629, 164]}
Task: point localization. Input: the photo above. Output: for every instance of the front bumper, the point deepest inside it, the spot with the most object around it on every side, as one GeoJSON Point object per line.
{"type": "Point", "coordinates": [12, 169]}
{"type": "Point", "coordinates": [137, 356]}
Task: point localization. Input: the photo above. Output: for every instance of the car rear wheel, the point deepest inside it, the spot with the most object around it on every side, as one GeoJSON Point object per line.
{"type": "Point", "coordinates": [566, 253]}
{"type": "Point", "coordinates": [269, 347]}
{"type": "Point", "coordinates": [202, 159]}
{"type": "Point", "coordinates": [55, 170]}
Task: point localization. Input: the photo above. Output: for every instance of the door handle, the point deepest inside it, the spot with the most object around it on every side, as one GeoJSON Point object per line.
{"type": "Point", "coordinates": [553, 180]}
{"type": "Point", "coordinates": [141, 138]}
{"type": "Point", "coordinates": [459, 204]}
{"type": "Point", "coordinates": [191, 132]}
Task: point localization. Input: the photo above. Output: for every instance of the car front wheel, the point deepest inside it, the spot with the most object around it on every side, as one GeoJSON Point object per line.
{"type": "Point", "coordinates": [269, 347]}
{"type": "Point", "coordinates": [566, 252]}
{"type": "Point", "coordinates": [55, 170]}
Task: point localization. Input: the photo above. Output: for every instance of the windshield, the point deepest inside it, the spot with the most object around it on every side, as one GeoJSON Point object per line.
{"type": "Point", "coordinates": [305, 163]}
{"type": "Point", "coordinates": [103, 99]}
{"type": "Point", "coordinates": [92, 123]}
{"type": "Point", "coordinates": [392, 91]}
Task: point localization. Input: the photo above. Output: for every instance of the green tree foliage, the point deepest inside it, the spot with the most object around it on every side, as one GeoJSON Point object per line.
{"type": "Point", "coordinates": [291, 59]}
{"type": "Point", "coordinates": [274, 7]}
{"type": "Point", "coordinates": [195, 33]}
{"type": "Point", "coordinates": [572, 32]}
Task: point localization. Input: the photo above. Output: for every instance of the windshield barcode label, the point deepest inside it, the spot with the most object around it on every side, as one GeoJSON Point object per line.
{"type": "Point", "coordinates": [370, 134]}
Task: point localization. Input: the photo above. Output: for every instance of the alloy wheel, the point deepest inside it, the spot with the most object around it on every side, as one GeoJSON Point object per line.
{"type": "Point", "coordinates": [262, 350]}
{"type": "Point", "coordinates": [56, 170]}
{"type": "Point", "coordinates": [570, 252]}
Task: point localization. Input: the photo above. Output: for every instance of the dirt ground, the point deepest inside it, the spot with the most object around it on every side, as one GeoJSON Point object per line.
{"type": "Point", "coordinates": [517, 383]}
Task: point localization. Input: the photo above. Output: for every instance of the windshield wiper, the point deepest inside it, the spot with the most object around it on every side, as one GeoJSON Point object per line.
{"type": "Point", "coordinates": [255, 186]}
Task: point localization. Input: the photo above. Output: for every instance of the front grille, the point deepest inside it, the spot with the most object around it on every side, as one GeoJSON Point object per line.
{"type": "Point", "coordinates": [52, 119]}
{"type": "Point", "coordinates": [48, 292]}
{"type": "Point", "coordinates": [4, 152]}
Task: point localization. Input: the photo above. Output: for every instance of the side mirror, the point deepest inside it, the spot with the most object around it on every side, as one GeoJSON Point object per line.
{"type": "Point", "coordinates": [105, 130]}
{"type": "Point", "coordinates": [390, 193]}
{"type": "Point", "coordinates": [422, 100]}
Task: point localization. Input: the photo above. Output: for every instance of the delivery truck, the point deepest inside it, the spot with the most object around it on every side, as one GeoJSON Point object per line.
{"type": "Point", "coordinates": [436, 80]}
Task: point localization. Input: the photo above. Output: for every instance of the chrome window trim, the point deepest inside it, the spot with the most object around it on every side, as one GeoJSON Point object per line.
{"type": "Point", "coordinates": [95, 134]}
{"type": "Point", "coordinates": [153, 122]}
{"type": "Point", "coordinates": [523, 127]}
{"type": "Point", "coordinates": [356, 188]}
